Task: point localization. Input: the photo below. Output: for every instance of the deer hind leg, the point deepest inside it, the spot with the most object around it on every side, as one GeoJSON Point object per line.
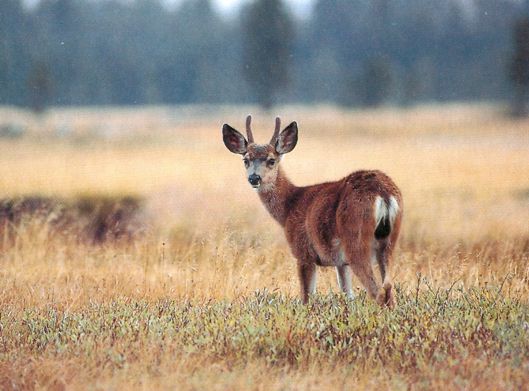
{"type": "Point", "coordinates": [359, 260]}
{"type": "Point", "coordinates": [344, 275]}
{"type": "Point", "coordinates": [363, 270]}
{"type": "Point", "coordinates": [307, 279]}
{"type": "Point", "coordinates": [359, 250]}
{"type": "Point", "coordinates": [383, 251]}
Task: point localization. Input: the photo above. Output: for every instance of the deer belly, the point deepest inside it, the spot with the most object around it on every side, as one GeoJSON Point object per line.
{"type": "Point", "coordinates": [330, 254]}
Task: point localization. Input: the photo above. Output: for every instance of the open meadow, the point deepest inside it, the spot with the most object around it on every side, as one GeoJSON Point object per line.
{"type": "Point", "coordinates": [198, 289]}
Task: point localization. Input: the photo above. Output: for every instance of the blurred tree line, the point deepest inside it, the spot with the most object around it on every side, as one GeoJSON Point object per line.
{"type": "Point", "coordinates": [350, 52]}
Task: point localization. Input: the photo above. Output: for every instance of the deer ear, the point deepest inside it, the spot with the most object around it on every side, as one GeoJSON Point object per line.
{"type": "Point", "coordinates": [287, 139]}
{"type": "Point", "coordinates": [234, 140]}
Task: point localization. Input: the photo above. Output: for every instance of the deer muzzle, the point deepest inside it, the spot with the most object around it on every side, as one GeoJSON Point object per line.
{"type": "Point", "coordinates": [255, 180]}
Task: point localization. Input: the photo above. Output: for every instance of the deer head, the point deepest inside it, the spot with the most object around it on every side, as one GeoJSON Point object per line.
{"type": "Point", "coordinates": [261, 160]}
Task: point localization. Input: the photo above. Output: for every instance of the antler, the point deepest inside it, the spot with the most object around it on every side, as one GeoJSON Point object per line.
{"type": "Point", "coordinates": [273, 140]}
{"type": "Point", "coordinates": [249, 129]}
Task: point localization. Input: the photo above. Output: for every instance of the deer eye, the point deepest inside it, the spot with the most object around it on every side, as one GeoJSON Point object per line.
{"type": "Point", "coordinates": [271, 162]}
{"type": "Point", "coordinates": [246, 162]}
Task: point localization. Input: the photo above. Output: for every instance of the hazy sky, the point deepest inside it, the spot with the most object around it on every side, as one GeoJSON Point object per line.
{"type": "Point", "coordinates": [300, 7]}
{"type": "Point", "coordinates": [227, 7]}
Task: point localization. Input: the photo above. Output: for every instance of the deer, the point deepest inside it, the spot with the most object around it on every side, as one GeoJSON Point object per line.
{"type": "Point", "coordinates": [351, 224]}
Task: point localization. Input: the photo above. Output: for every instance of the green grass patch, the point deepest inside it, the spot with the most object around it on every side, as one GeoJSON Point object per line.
{"type": "Point", "coordinates": [423, 330]}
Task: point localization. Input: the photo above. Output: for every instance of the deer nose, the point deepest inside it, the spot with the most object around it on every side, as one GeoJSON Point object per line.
{"type": "Point", "coordinates": [255, 180]}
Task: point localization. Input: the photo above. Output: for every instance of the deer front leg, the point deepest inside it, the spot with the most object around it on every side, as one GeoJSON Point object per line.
{"type": "Point", "coordinates": [344, 275]}
{"type": "Point", "coordinates": [307, 279]}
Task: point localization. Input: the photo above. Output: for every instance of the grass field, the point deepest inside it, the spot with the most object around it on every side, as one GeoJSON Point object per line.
{"type": "Point", "coordinates": [204, 294]}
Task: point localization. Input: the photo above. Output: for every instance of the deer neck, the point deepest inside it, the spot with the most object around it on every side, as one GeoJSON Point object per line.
{"type": "Point", "coordinates": [276, 195]}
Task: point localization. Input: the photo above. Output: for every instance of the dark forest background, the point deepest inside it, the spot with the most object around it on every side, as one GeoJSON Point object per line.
{"type": "Point", "coordinates": [349, 52]}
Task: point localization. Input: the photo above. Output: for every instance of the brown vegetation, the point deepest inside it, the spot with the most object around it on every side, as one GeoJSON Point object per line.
{"type": "Point", "coordinates": [94, 219]}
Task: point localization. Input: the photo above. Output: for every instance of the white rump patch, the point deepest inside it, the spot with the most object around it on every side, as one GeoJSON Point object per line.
{"type": "Point", "coordinates": [393, 209]}
{"type": "Point", "coordinates": [383, 210]}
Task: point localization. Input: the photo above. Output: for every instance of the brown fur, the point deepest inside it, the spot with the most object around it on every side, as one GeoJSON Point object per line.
{"type": "Point", "coordinates": [331, 224]}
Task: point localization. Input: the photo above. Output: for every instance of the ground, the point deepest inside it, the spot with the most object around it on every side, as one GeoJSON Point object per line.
{"type": "Point", "coordinates": [203, 294]}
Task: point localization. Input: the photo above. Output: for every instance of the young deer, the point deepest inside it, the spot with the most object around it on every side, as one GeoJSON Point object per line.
{"type": "Point", "coordinates": [348, 224]}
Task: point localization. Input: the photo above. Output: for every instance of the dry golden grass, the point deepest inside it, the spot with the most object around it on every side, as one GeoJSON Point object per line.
{"type": "Point", "coordinates": [463, 171]}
